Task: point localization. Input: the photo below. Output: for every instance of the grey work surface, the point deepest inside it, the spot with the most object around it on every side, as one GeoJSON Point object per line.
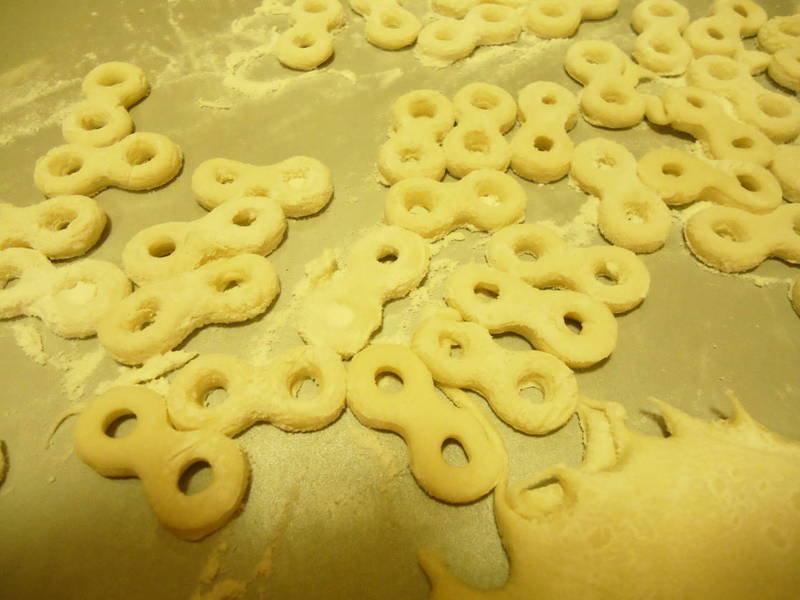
{"type": "Point", "coordinates": [341, 515]}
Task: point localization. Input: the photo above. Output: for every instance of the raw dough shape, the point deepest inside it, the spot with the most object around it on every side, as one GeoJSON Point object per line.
{"type": "Point", "coordinates": [659, 46]}
{"type": "Point", "coordinates": [249, 225]}
{"type": "Point", "coordinates": [700, 113]}
{"type": "Point", "coordinates": [722, 32]}
{"type": "Point", "coordinates": [785, 168]}
{"type": "Point", "coordinates": [259, 394]}
{"type": "Point", "coordinates": [344, 309]}
{"type": "Point", "coordinates": [609, 76]}
{"type": "Point", "coordinates": [71, 299]}
{"type": "Point", "coordinates": [160, 315]}
{"type": "Point", "coordinates": [776, 115]}
{"type": "Point", "coordinates": [159, 456]}
{"type": "Point", "coordinates": [308, 42]}
{"type": "Point", "coordinates": [630, 215]}
{"type": "Point", "coordinates": [780, 33]}
{"type": "Point", "coordinates": [497, 374]}
{"type": "Point", "coordinates": [681, 178]}
{"type": "Point", "coordinates": [61, 227]}
{"type": "Point", "coordinates": [556, 264]}
{"type": "Point", "coordinates": [733, 240]}
{"type": "Point", "coordinates": [102, 119]}
{"type": "Point", "coordinates": [426, 421]}
{"type": "Point", "coordinates": [784, 68]}
{"type": "Point", "coordinates": [458, 9]}
{"type": "Point", "coordinates": [139, 161]}
{"type": "Point", "coordinates": [541, 150]}
{"type": "Point", "coordinates": [795, 296]}
{"type": "Point", "coordinates": [709, 512]}
{"type": "Point", "coordinates": [388, 24]}
{"type": "Point", "coordinates": [560, 19]}
{"type": "Point", "coordinates": [485, 200]}
{"type": "Point", "coordinates": [300, 184]}
{"type": "Point", "coordinates": [449, 40]}
{"type": "Point", "coordinates": [502, 302]}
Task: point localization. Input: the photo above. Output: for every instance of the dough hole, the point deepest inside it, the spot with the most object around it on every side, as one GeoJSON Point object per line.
{"type": "Point", "coordinates": [64, 165]}
{"type": "Point", "coordinates": [636, 214]}
{"type": "Point", "coordinates": [527, 255]}
{"type": "Point", "coordinates": [389, 382]}
{"type": "Point", "coordinates": [58, 220]}
{"type": "Point", "coordinates": [476, 141]}
{"type": "Point", "coordinates": [743, 143]}
{"type": "Point", "coordinates": [530, 391]}
{"type": "Point", "coordinates": [422, 109]}
{"type": "Point", "coordinates": [418, 202]}
{"type": "Point", "coordinates": [454, 349]}
{"type": "Point", "coordinates": [774, 106]}
{"type": "Point", "coordinates": [161, 248]}
{"type": "Point", "coordinates": [749, 183]}
{"type": "Point", "coordinates": [304, 387]}
{"type": "Point", "coordinates": [486, 292]}
{"type": "Point", "coordinates": [225, 176]}
{"type": "Point", "coordinates": [454, 454]}
{"type": "Point", "coordinates": [143, 317]}
{"type": "Point", "coordinates": [661, 46]}
{"type": "Point", "coordinates": [296, 179]}
{"type": "Point", "coordinates": [387, 256]}
{"type": "Point", "coordinates": [96, 120]}
{"type": "Point", "coordinates": [227, 284]}
{"type": "Point", "coordinates": [491, 14]}
{"type": "Point", "coordinates": [596, 56]}
{"type": "Point", "coordinates": [484, 100]}
{"type": "Point", "coordinates": [258, 192]}
{"type": "Point", "coordinates": [605, 276]}
{"type": "Point", "coordinates": [391, 21]}
{"type": "Point", "coordinates": [244, 218]}
{"type": "Point", "coordinates": [445, 34]}
{"type": "Point", "coordinates": [543, 143]}
{"type": "Point", "coordinates": [314, 7]}
{"type": "Point", "coordinates": [715, 34]}
{"type": "Point", "coordinates": [614, 96]}
{"type": "Point", "coordinates": [660, 10]}
{"type": "Point", "coordinates": [110, 79]}
{"type": "Point", "coordinates": [730, 231]}
{"type": "Point", "coordinates": [672, 169]}
{"type": "Point", "coordinates": [214, 396]}
{"type": "Point", "coordinates": [139, 153]}
{"type": "Point", "coordinates": [195, 478]}
{"type": "Point", "coordinates": [409, 154]}
{"type": "Point", "coordinates": [740, 10]}
{"type": "Point", "coordinates": [573, 323]}
{"type": "Point", "coordinates": [549, 99]}
{"type": "Point", "coordinates": [605, 162]}
{"type": "Point", "coordinates": [121, 426]}
{"type": "Point", "coordinates": [723, 71]}
{"type": "Point", "coordinates": [303, 41]}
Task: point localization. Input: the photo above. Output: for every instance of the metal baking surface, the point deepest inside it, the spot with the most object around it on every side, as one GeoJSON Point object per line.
{"type": "Point", "coordinates": [338, 510]}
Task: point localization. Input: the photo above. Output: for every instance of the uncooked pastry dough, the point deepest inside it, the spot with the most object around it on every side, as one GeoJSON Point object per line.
{"type": "Point", "coordinates": [61, 227]}
{"type": "Point", "coordinates": [733, 240]}
{"type": "Point", "coordinates": [555, 264]}
{"type": "Point", "coordinates": [160, 315]}
{"type": "Point", "coordinates": [159, 456]}
{"type": "Point", "coordinates": [659, 45]}
{"type": "Point", "coordinates": [266, 394]}
{"type": "Point", "coordinates": [388, 24]}
{"type": "Point", "coordinates": [784, 68]}
{"type": "Point", "coordinates": [485, 200]}
{"type": "Point", "coordinates": [630, 215]}
{"type": "Point", "coordinates": [561, 19]}
{"type": "Point", "coordinates": [496, 373]}
{"type": "Point", "coordinates": [426, 421]}
{"type": "Point", "coordinates": [300, 184]}
{"type": "Point", "coordinates": [680, 178]}
{"type": "Point", "coordinates": [502, 302]}
{"type": "Point", "coordinates": [780, 33]}
{"type": "Point", "coordinates": [253, 225]}
{"type": "Point", "coordinates": [712, 512]}
{"type": "Point", "coordinates": [71, 299]}
{"type": "Point", "coordinates": [343, 310]}
{"type": "Point", "coordinates": [785, 168]}
{"type": "Point", "coordinates": [308, 42]}
{"type": "Point", "coordinates": [459, 8]}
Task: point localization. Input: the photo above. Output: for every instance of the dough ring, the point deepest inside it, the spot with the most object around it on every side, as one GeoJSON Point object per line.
{"type": "Point", "coordinates": [253, 225]}
{"type": "Point", "coordinates": [630, 215]}
{"type": "Point", "coordinates": [61, 227]}
{"type": "Point", "coordinates": [256, 394]}
{"type": "Point", "coordinates": [784, 167]}
{"type": "Point", "coordinates": [680, 178]}
{"type": "Point", "coordinates": [485, 200]}
{"type": "Point", "coordinates": [345, 309]}
{"type": "Point", "coordinates": [502, 302]}
{"type": "Point", "coordinates": [388, 25]}
{"type": "Point", "coordinates": [784, 68]}
{"type": "Point", "coordinates": [555, 264]}
{"type": "Point", "coordinates": [560, 19]}
{"type": "Point", "coordinates": [70, 299]}
{"type": "Point", "coordinates": [301, 185]}
{"type": "Point", "coordinates": [160, 315]}
{"type": "Point", "coordinates": [659, 46]}
{"type": "Point", "coordinates": [732, 240]}
{"type": "Point", "coordinates": [426, 421]}
{"type": "Point", "coordinates": [497, 374]}
{"type": "Point", "coordinates": [308, 42]}
{"type": "Point", "coordinates": [159, 456]}
{"type": "Point", "coordinates": [780, 33]}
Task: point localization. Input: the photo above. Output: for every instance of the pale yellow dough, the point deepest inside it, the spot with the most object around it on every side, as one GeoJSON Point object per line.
{"type": "Point", "coordinates": [388, 24]}
{"type": "Point", "coordinates": [158, 455]}
{"type": "Point", "coordinates": [561, 18]}
{"type": "Point", "coordinates": [426, 420]}
{"type": "Point", "coordinates": [61, 227]}
{"type": "Point", "coordinates": [784, 167]}
{"type": "Point", "coordinates": [659, 45]}
{"type": "Point", "coordinates": [711, 512]}
{"type": "Point", "coordinates": [308, 42]}
{"type": "Point", "coordinates": [784, 68]}
{"type": "Point", "coordinates": [256, 394]}
{"type": "Point", "coordinates": [780, 33]}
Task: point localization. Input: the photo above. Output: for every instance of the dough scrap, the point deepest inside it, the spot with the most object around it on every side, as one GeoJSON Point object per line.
{"type": "Point", "coordinates": [630, 214]}
{"type": "Point", "coordinates": [159, 456]}
{"type": "Point", "coordinates": [300, 184]}
{"type": "Point", "coordinates": [458, 9]}
{"type": "Point", "coordinates": [253, 225]}
{"type": "Point", "coordinates": [485, 200]}
{"type": "Point", "coordinates": [308, 42]}
{"type": "Point", "coordinates": [555, 264]}
{"type": "Point", "coordinates": [388, 24]}
{"type": "Point", "coordinates": [160, 315]}
{"type": "Point", "coordinates": [680, 178]}
{"type": "Point", "coordinates": [732, 240]}
{"type": "Point", "coordinates": [502, 302]}
{"type": "Point", "coordinates": [344, 309]}
{"type": "Point", "coordinates": [265, 394]}
{"type": "Point", "coordinates": [71, 299]}
{"type": "Point", "coordinates": [561, 19]}
{"type": "Point", "coordinates": [784, 168]}
{"type": "Point", "coordinates": [659, 46]}
{"type": "Point", "coordinates": [61, 227]}
{"type": "Point", "coordinates": [497, 374]}
{"type": "Point", "coordinates": [426, 421]}
{"type": "Point", "coordinates": [729, 529]}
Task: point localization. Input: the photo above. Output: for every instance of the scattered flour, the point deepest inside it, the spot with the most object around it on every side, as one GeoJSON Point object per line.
{"type": "Point", "coordinates": [151, 371]}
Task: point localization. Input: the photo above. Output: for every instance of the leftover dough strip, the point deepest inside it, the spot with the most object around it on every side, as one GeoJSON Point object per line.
{"type": "Point", "coordinates": [555, 264]}
{"type": "Point", "coordinates": [496, 373]}
{"type": "Point", "coordinates": [732, 240]}
{"type": "Point", "coordinates": [630, 214]}
{"type": "Point", "coordinates": [388, 24]}
{"type": "Point", "coordinates": [659, 45]}
{"type": "Point", "coordinates": [160, 315]}
{"type": "Point", "coordinates": [485, 200]}
{"type": "Point", "coordinates": [343, 310]}
{"type": "Point", "coordinates": [159, 456]}
{"type": "Point", "coordinates": [265, 394]}
{"type": "Point", "coordinates": [560, 19]}
{"type": "Point", "coordinates": [71, 299]}
{"type": "Point", "coordinates": [61, 227]}
{"type": "Point", "coordinates": [425, 420]}
{"type": "Point", "coordinates": [502, 302]}
{"type": "Point", "coordinates": [308, 42]}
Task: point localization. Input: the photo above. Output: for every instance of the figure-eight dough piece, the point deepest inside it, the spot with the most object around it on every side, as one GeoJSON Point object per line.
{"type": "Point", "coordinates": [659, 45]}
{"type": "Point", "coordinates": [781, 38]}
{"type": "Point", "coordinates": [308, 42]}
{"type": "Point", "coordinates": [388, 24]}
{"type": "Point", "coordinates": [560, 19]}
